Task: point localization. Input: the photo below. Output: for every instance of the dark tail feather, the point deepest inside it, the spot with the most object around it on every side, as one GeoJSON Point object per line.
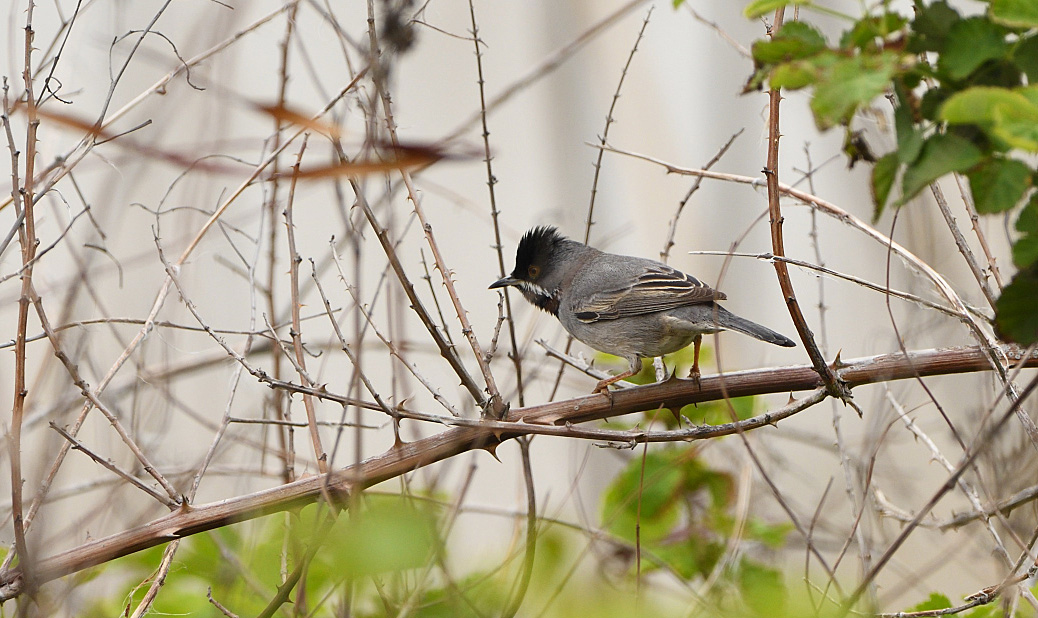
{"type": "Point", "coordinates": [731, 321]}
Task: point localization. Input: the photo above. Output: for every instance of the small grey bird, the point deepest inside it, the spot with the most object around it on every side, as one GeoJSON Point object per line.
{"type": "Point", "coordinates": [626, 306]}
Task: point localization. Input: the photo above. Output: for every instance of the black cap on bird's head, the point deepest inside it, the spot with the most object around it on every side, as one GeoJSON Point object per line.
{"type": "Point", "coordinates": [535, 273]}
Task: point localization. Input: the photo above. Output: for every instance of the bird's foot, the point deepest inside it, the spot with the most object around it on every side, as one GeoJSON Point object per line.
{"type": "Point", "coordinates": [695, 376]}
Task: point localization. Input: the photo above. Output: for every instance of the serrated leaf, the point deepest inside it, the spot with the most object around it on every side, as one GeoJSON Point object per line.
{"type": "Point", "coordinates": [758, 8]}
{"type": "Point", "coordinates": [1017, 133]}
{"type": "Point", "coordinates": [1016, 316]}
{"type": "Point", "coordinates": [982, 104]}
{"type": "Point", "coordinates": [999, 184]}
{"type": "Point", "coordinates": [794, 41]}
{"type": "Point", "coordinates": [849, 84]}
{"type": "Point", "coordinates": [1015, 13]}
{"type": "Point", "coordinates": [942, 154]}
{"type": "Point", "coordinates": [799, 73]}
{"type": "Point", "coordinates": [883, 174]}
{"type": "Point", "coordinates": [868, 29]}
{"type": "Point", "coordinates": [971, 42]}
{"type": "Point", "coordinates": [931, 26]}
{"type": "Point", "coordinates": [1009, 116]}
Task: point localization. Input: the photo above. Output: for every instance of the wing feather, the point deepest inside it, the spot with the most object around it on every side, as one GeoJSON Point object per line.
{"type": "Point", "coordinates": [658, 288]}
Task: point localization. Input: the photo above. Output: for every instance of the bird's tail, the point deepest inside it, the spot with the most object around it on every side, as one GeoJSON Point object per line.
{"type": "Point", "coordinates": [731, 321]}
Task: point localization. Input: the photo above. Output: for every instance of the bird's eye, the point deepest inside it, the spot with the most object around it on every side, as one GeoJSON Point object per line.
{"type": "Point", "coordinates": [534, 271]}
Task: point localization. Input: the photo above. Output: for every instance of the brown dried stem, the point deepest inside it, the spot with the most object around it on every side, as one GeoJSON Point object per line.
{"type": "Point", "coordinates": [771, 173]}
{"type": "Point", "coordinates": [79, 446]}
{"type": "Point", "coordinates": [964, 247]}
{"type": "Point", "coordinates": [495, 405]}
{"type": "Point", "coordinates": [297, 338]}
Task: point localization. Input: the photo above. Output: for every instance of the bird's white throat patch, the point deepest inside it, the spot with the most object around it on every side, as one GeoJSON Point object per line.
{"type": "Point", "coordinates": [534, 289]}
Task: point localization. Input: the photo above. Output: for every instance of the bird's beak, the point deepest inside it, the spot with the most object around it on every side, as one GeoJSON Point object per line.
{"type": "Point", "coordinates": [503, 283]}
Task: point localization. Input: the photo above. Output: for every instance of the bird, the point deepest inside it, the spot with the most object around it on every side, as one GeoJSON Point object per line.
{"type": "Point", "coordinates": [626, 306]}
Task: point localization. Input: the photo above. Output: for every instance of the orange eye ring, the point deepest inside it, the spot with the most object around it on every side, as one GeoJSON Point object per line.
{"type": "Point", "coordinates": [534, 271]}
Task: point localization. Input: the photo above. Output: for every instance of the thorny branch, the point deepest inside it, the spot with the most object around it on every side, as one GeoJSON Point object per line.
{"type": "Point", "coordinates": [552, 418]}
{"type": "Point", "coordinates": [771, 174]}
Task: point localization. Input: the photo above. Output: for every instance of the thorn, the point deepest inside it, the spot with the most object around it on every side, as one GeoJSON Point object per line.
{"type": "Point", "coordinates": [492, 449]}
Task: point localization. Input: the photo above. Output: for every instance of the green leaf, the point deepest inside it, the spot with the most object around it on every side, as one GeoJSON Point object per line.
{"type": "Point", "coordinates": [798, 74]}
{"type": "Point", "coordinates": [1008, 116]}
{"type": "Point", "coordinates": [936, 601]}
{"type": "Point", "coordinates": [1027, 222]}
{"type": "Point", "coordinates": [763, 588]}
{"type": "Point", "coordinates": [999, 184]}
{"type": "Point", "coordinates": [971, 42]}
{"type": "Point", "coordinates": [942, 154]}
{"type": "Point", "coordinates": [1015, 13]}
{"type": "Point", "coordinates": [758, 8]}
{"type": "Point", "coordinates": [794, 41]}
{"type": "Point", "coordinates": [909, 137]}
{"type": "Point", "coordinates": [390, 534]}
{"type": "Point", "coordinates": [1025, 251]}
{"type": "Point", "coordinates": [983, 105]}
{"type": "Point", "coordinates": [771, 535]}
{"type": "Point", "coordinates": [931, 26]}
{"type": "Point", "coordinates": [1025, 57]}
{"type": "Point", "coordinates": [657, 487]}
{"type": "Point", "coordinates": [883, 174]}
{"type": "Point", "coordinates": [1030, 93]}
{"type": "Point", "coordinates": [868, 29]}
{"type": "Point", "coordinates": [850, 84]}
{"type": "Point", "coordinates": [1016, 312]}
{"type": "Point", "coordinates": [717, 412]}
{"type": "Point", "coordinates": [931, 103]}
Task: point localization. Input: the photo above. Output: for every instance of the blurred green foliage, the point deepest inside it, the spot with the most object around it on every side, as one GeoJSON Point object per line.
{"type": "Point", "coordinates": [965, 94]}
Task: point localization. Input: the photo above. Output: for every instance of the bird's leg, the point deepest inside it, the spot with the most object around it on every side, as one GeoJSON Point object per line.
{"type": "Point", "coordinates": [603, 385]}
{"type": "Point", "coordinates": [633, 367]}
{"type": "Point", "coordinates": [694, 373]}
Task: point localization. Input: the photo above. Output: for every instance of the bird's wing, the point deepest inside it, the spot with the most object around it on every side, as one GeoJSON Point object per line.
{"type": "Point", "coordinates": [657, 288]}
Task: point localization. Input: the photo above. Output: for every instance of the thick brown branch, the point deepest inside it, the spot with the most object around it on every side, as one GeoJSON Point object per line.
{"type": "Point", "coordinates": [832, 382]}
{"type": "Point", "coordinates": [410, 456]}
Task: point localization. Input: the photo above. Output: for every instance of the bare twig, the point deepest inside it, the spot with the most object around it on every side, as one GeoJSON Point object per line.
{"type": "Point", "coordinates": [494, 405]}
{"type": "Point", "coordinates": [672, 228]}
{"type": "Point", "coordinates": [978, 446]}
{"type": "Point", "coordinates": [77, 445]}
{"type": "Point", "coordinates": [875, 287]}
{"type": "Point", "coordinates": [494, 212]}
{"type": "Point", "coordinates": [971, 209]}
{"type": "Point", "coordinates": [604, 138]}
{"type": "Point", "coordinates": [964, 247]}
{"type": "Point", "coordinates": [223, 610]}
{"type": "Point", "coordinates": [297, 338]}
